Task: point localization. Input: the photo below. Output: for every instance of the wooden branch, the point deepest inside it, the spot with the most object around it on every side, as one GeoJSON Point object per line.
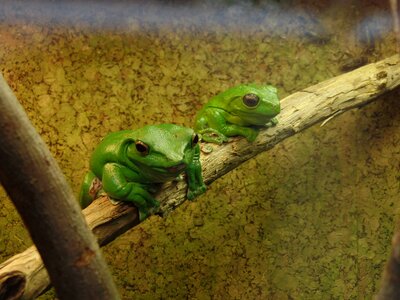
{"type": "Point", "coordinates": [49, 210]}
{"type": "Point", "coordinates": [299, 111]}
{"type": "Point", "coordinates": [390, 287]}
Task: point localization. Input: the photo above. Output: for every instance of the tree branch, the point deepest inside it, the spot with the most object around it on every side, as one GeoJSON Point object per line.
{"type": "Point", "coordinates": [299, 111]}
{"type": "Point", "coordinates": [390, 287]}
{"type": "Point", "coordinates": [49, 210]}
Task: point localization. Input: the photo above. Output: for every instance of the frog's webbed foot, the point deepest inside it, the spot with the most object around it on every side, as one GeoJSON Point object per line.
{"type": "Point", "coordinates": [151, 207]}
{"type": "Point", "coordinates": [272, 122]}
{"type": "Point", "coordinates": [139, 196]}
{"type": "Point", "coordinates": [211, 135]}
{"type": "Point", "coordinates": [146, 207]}
{"type": "Point", "coordinates": [145, 212]}
{"type": "Point", "coordinates": [194, 175]}
{"type": "Point", "coordinates": [193, 193]}
{"type": "Point", "coordinates": [116, 186]}
{"type": "Point", "coordinates": [143, 208]}
{"type": "Point", "coordinates": [251, 134]}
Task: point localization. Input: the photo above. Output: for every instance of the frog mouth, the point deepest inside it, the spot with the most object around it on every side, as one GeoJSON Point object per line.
{"type": "Point", "coordinates": [254, 114]}
{"type": "Point", "coordinates": [253, 118]}
{"type": "Point", "coordinates": [177, 168]}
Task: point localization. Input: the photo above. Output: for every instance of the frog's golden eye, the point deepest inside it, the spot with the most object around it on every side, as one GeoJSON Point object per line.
{"type": "Point", "coordinates": [142, 148]}
{"type": "Point", "coordinates": [195, 139]}
{"type": "Point", "coordinates": [251, 100]}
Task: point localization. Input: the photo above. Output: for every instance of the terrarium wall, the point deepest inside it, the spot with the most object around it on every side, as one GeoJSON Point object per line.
{"type": "Point", "coordinates": [311, 218]}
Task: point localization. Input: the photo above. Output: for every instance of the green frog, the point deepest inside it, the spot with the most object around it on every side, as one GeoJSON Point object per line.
{"type": "Point", "coordinates": [127, 165]}
{"type": "Point", "coordinates": [239, 110]}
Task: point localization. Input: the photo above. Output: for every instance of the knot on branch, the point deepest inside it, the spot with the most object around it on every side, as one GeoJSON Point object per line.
{"type": "Point", "coordinates": [12, 285]}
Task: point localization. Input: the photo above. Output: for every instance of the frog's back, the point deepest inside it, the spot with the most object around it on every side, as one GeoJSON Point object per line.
{"type": "Point", "coordinates": [217, 102]}
{"type": "Point", "coordinates": [110, 149]}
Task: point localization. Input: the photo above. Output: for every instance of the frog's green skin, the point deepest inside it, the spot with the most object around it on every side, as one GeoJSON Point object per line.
{"type": "Point", "coordinates": [229, 113]}
{"type": "Point", "coordinates": [130, 163]}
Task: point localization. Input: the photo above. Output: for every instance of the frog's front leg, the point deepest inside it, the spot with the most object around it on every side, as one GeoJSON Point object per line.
{"type": "Point", "coordinates": [218, 120]}
{"type": "Point", "coordinates": [116, 185]}
{"type": "Point", "coordinates": [196, 184]}
{"type": "Point", "coordinates": [208, 126]}
{"type": "Point", "coordinates": [233, 130]}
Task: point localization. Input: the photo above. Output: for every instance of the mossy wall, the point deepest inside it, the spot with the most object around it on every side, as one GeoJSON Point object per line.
{"type": "Point", "coordinates": [310, 219]}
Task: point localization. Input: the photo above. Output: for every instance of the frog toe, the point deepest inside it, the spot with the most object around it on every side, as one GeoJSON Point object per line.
{"type": "Point", "coordinates": [201, 189]}
{"type": "Point", "coordinates": [143, 214]}
{"type": "Point", "coordinates": [194, 193]}
{"type": "Point", "coordinates": [251, 135]}
{"type": "Point", "coordinates": [251, 138]}
{"type": "Point", "coordinates": [155, 203]}
{"type": "Point", "coordinates": [190, 195]}
{"type": "Point", "coordinates": [274, 122]}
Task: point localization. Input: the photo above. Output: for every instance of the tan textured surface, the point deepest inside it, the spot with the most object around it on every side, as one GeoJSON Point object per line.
{"type": "Point", "coordinates": [309, 219]}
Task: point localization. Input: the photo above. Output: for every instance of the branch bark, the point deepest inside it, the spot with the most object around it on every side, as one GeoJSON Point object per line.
{"type": "Point", "coordinates": [390, 287]}
{"type": "Point", "coordinates": [299, 111]}
{"type": "Point", "coordinates": [49, 210]}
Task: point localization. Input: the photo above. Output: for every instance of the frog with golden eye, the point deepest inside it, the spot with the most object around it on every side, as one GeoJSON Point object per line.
{"type": "Point", "coordinates": [127, 165]}
{"type": "Point", "coordinates": [240, 110]}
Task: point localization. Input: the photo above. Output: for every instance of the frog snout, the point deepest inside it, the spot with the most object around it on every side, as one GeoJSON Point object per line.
{"type": "Point", "coordinates": [177, 168]}
{"type": "Point", "coordinates": [276, 108]}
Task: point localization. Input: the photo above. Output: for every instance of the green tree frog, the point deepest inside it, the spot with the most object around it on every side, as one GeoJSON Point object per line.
{"type": "Point", "coordinates": [238, 111]}
{"type": "Point", "coordinates": [128, 164]}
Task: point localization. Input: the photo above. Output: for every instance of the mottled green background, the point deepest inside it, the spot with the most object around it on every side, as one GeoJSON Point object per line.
{"type": "Point", "coordinates": [310, 219]}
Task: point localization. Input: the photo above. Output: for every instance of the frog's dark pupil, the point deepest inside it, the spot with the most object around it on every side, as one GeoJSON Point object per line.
{"type": "Point", "coordinates": [195, 139]}
{"type": "Point", "coordinates": [142, 147]}
{"type": "Point", "coordinates": [250, 100]}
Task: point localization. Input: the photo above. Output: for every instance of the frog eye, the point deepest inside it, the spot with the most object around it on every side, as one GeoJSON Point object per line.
{"type": "Point", "coordinates": [142, 148]}
{"type": "Point", "coordinates": [195, 139]}
{"type": "Point", "coordinates": [251, 100]}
